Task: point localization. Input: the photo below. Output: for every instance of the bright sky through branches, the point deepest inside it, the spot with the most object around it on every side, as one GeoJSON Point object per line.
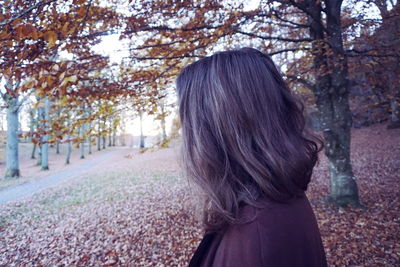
{"type": "Point", "coordinates": [118, 49]}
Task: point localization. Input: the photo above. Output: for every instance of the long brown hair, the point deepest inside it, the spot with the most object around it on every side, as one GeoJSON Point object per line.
{"type": "Point", "coordinates": [244, 133]}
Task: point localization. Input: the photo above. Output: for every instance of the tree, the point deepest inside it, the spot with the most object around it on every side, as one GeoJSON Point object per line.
{"type": "Point", "coordinates": [13, 107]}
{"type": "Point", "coordinates": [32, 126]}
{"type": "Point", "coordinates": [31, 34]}
{"type": "Point", "coordinates": [311, 39]}
{"type": "Point", "coordinates": [374, 61]}
{"type": "Point", "coordinates": [45, 144]}
{"type": "Point", "coordinates": [309, 30]}
{"type": "Point", "coordinates": [331, 90]}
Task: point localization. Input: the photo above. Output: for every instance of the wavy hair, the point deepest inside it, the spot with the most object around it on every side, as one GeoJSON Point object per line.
{"type": "Point", "coordinates": [244, 133]}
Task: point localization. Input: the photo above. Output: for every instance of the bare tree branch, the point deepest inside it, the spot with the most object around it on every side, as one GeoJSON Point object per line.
{"type": "Point", "coordinates": [303, 7]}
{"type": "Point", "coordinates": [25, 12]}
{"type": "Point", "coordinates": [367, 53]}
{"type": "Point", "coordinates": [274, 37]}
{"type": "Point", "coordinates": [288, 50]}
{"type": "Point", "coordinates": [305, 82]}
{"type": "Point", "coordinates": [168, 57]}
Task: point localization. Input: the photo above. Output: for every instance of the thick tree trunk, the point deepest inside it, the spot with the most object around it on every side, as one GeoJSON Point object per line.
{"type": "Point", "coordinates": [12, 159]}
{"type": "Point", "coordinates": [331, 91]}
{"type": "Point", "coordinates": [114, 137]}
{"type": "Point", "coordinates": [336, 121]}
{"type": "Point", "coordinates": [45, 146]}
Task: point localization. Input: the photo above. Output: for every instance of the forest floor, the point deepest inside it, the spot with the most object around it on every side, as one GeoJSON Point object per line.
{"type": "Point", "coordinates": [137, 210]}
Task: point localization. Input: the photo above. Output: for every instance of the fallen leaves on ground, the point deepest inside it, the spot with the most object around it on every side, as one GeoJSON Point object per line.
{"type": "Point", "coordinates": [145, 218]}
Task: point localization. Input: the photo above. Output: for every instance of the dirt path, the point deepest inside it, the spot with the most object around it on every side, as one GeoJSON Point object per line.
{"type": "Point", "coordinates": [23, 190]}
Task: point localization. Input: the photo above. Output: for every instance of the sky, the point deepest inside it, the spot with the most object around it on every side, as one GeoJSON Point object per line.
{"type": "Point", "coordinates": [116, 50]}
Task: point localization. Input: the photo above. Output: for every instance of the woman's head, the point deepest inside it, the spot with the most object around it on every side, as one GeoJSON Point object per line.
{"type": "Point", "coordinates": [243, 132]}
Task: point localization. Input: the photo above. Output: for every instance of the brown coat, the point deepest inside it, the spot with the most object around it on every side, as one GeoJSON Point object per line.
{"type": "Point", "coordinates": [278, 235]}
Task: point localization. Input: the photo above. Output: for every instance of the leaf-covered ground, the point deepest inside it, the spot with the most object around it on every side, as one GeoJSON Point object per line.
{"type": "Point", "coordinates": [138, 210]}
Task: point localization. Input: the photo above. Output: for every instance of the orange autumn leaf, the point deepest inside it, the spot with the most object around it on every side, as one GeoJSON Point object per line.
{"type": "Point", "coordinates": [4, 34]}
{"type": "Point", "coordinates": [82, 12]}
{"type": "Point", "coordinates": [51, 37]}
{"type": "Point", "coordinates": [65, 28]}
{"type": "Point", "coordinates": [26, 31]}
{"type": "Point", "coordinates": [50, 80]}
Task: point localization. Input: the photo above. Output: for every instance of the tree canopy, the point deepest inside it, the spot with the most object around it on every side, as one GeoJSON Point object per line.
{"type": "Point", "coordinates": [324, 48]}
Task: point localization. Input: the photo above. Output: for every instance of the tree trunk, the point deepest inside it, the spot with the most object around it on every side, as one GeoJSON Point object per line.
{"type": "Point", "coordinates": [89, 139]}
{"type": "Point", "coordinates": [99, 137]}
{"type": "Point", "coordinates": [141, 145]}
{"type": "Point", "coordinates": [82, 142]}
{"type": "Point", "coordinates": [12, 159]}
{"type": "Point", "coordinates": [104, 135]}
{"type": "Point", "coordinates": [331, 91]}
{"type": "Point", "coordinates": [395, 113]}
{"type": "Point", "coordinates": [32, 123]}
{"type": "Point", "coordinates": [122, 139]}
{"type": "Point", "coordinates": [39, 159]}
{"type": "Point", "coordinates": [45, 146]}
{"type": "Point", "coordinates": [388, 41]}
{"type": "Point", "coordinates": [69, 150]}
{"type": "Point", "coordinates": [58, 113]}
{"type": "Point", "coordinates": [40, 118]}
{"type": "Point", "coordinates": [164, 132]}
{"type": "Point", "coordinates": [114, 137]}
{"type": "Point", "coordinates": [33, 151]}
{"type": "Point", "coordinates": [58, 147]}
{"type": "Point", "coordinates": [69, 145]}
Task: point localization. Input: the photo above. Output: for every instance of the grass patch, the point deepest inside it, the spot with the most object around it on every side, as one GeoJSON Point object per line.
{"type": "Point", "coordinates": [7, 182]}
{"type": "Point", "coordinates": [110, 186]}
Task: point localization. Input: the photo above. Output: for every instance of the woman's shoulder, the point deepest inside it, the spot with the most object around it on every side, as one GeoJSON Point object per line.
{"type": "Point", "coordinates": [272, 232]}
{"type": "Point", "coordinates": [266, 208]}
{"type": "Point", "coordinates": [276, 221]}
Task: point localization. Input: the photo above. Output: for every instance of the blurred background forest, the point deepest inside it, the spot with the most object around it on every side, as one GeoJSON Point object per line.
{"type": "Point", "coordinates": [94, 80]}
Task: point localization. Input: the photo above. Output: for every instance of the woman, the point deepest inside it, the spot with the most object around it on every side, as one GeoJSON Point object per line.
{"type": "Point", "coordinates": [246, 145]}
